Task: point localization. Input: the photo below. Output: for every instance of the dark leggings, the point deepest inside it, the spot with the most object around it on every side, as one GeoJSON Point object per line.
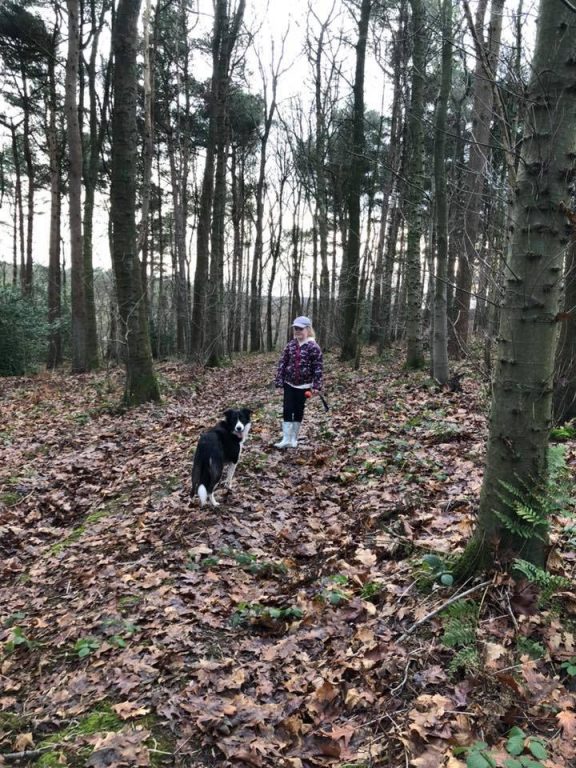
{"type": "Point", "coordinates": [294, 402]}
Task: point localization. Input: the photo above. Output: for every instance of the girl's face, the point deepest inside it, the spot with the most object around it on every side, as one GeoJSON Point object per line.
{"type": "Point", "coordinates": [300, 333]}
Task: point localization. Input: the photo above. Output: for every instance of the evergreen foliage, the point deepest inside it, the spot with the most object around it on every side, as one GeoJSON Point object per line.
{"type": "Point", "coordinates": [23, 332]}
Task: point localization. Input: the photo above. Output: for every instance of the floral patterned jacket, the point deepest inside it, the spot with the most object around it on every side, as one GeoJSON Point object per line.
{"type": "Point", "coordinates": [300, 364]}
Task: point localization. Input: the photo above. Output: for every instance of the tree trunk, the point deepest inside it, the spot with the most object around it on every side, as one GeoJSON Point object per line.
{"type": "Point", "coordinates": [255, 294]}
{"type": "Point", "coordinates": [181, 294]}
{"type": "Point", "coordinates": [99, 98]}
{"type": "Point", "coordinates": [79, 351]}
{"type": "Point", "coordinates": [350, 276]}
{"type": "Point", "coordinates": [215, 314]}
{"type": "Point", "coordinates": [224, 39]}
{"type": "Point", "coordinates": [226, 35]}
{"type": "Point", "coordinates": [474, 179]}
{"type": "Point", "coordinates": [141, 385]}
{"type": "Point", "coordinates": [440, 369]}
{"type": "Point", "coordinates": [414, 353]}
{"type": "Point", "coordinates": [54, 276]}
{"type": "Point", "coordinates": [522, 392]}
{"type": "Point", "coordinates": [322, 318]}
{"type": "Point", "coordinates": [382, 275]}
{"type": "Point", "coordinates": [565, 379]}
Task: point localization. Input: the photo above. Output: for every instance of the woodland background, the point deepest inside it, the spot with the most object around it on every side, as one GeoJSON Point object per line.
{"type": "Point", "coordinates": [399, 591]}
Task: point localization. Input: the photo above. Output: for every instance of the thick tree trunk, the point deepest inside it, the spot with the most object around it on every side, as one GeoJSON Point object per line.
{"type": "Point", "coordinates": [522, 391]}
{"type": "Point", "coordinates": [141, 385]}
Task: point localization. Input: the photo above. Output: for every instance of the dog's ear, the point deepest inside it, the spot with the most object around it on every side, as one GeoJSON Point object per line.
{"type": "Point", "coordinates": [246, 413]}
{"type": "Point", "coordinates": [228, 413]}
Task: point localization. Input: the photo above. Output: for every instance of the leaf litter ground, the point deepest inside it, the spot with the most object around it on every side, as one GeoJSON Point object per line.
{"type": "Point", "coordinates": [275, 630]}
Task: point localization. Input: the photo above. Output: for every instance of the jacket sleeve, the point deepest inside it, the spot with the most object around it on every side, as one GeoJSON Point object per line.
{"type": "Point", "coordinates": [318, 368]}
{"type": "Point", "coordinates": [281, 369]}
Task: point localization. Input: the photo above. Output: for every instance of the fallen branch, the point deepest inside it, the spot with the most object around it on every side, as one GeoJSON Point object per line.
{"type": "Point", "coordinates": [29, 754]}
{"type": "Point", "coordinates": [444, 605]}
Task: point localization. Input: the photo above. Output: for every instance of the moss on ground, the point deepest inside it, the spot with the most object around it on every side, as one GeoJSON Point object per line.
{"type": "Point", "coordinates": [79, 531]}
{"type": "Point", "coordinates": [102, 720]}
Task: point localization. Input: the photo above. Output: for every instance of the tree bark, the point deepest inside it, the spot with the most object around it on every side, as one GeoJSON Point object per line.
{"type": "Point", "coordinates": [440, 368]}
{"type": "Point", "coordinates": [380, 318]}
{"type": "Point", "coordinates": [517, 449]}
{"type": "Point", "coordinates": [565, 379]}
{"type": "Point", "coordinates": [226, 34]}
{"type": "Point", "coordinates": [141, 385]}
{"type": "Point", "coordinates": [54, 275]}
{"type": "Point", "coordinates": [78, 297]}
{"type": "Point", "coordinates": [350, 276]}
{"type": "Point", "coordinates": [414, 353]}
{"type": "Point", "coordinates": [255, 295]}
{"type": "Point", "coordinates": [474, 179]}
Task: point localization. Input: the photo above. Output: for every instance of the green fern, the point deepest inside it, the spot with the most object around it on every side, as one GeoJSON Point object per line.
{"type": "Point", "coordinates": [526, 514]}
{"type": "Point", "coordinates": [466, 659]}
{"type": "Point", "coordinates": [465, 610]}
{"type": "Point", "coordinates": [457, 635]}
{"type": "Point", "coordinates": [460, 625]}
{"type": "Point", "coordinates": [549, 583]}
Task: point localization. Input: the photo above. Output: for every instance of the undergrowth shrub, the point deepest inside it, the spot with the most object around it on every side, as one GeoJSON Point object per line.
{"type": "Point", "coordinates": [24, 332]}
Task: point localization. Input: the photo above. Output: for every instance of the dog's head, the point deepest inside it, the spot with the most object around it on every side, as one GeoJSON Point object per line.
{"type": "Point", "coordinates": [238, 421]}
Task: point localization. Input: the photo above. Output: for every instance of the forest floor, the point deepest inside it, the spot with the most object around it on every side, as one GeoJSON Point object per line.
{"type": "Point", "coordinates": [297, 625]}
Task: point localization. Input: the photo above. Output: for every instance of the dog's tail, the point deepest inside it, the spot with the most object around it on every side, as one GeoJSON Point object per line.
{"type": "Point", "coordinates": [202, 494]}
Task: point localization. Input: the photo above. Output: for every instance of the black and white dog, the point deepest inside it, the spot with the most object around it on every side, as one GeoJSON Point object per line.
{"type": "Point", "coordinates": [219, 448]}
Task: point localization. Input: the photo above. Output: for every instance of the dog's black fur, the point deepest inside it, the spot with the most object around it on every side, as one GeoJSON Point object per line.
{"type": "Point", "coordinates": [219, 448]}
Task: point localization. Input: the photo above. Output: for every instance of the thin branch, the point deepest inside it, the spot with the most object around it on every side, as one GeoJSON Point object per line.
{"type": "Point", "coordinates": [29, 754]}
{"type": "Point", "coordinates": [453, 599]}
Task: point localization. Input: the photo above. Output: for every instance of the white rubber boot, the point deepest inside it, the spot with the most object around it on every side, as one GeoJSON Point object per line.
{"type": "Point", "coordinates": [286, 441]}
{"type": "Point", "coordinates": [294, 436]}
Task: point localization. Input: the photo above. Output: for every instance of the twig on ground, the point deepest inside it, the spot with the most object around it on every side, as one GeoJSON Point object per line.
{"type": "Point", "coordinates": [29, 754]}
{"type": "Point", "coordinates": [453, 599]}
{"type": "Point", "coordinates": [402, 683]}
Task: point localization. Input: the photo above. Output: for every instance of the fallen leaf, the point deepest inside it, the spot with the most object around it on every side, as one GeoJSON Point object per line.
{"type": "Point", "coordinates": [129, 709]}
{"type": "Point", "coordinates": [567, 721]}
{"type": "Point", "coordinates": [23, 742]}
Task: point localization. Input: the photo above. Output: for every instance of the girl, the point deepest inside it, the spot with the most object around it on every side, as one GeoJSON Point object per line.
{"type": "Point", "coordinates": [299, 370]}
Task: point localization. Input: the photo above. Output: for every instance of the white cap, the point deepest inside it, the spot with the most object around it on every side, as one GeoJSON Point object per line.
{"type": "Point", "coordinates": [302, 322]}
